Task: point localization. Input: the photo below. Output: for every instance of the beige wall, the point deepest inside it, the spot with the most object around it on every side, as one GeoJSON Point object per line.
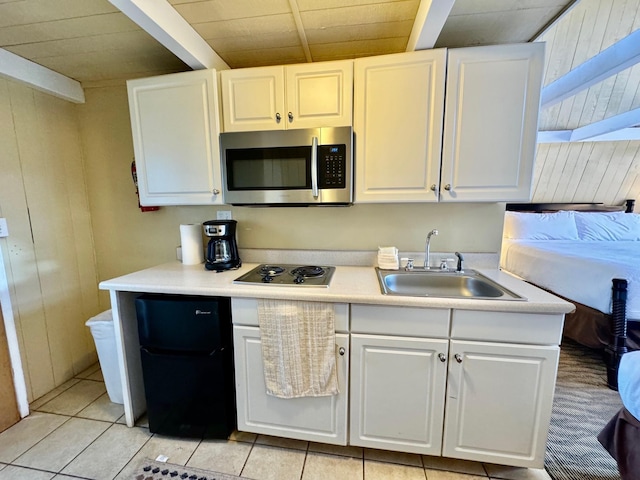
{"type": "Point", "coordinates": [127, 239]}
{"type": "Point", "coordinates": [49, 254]}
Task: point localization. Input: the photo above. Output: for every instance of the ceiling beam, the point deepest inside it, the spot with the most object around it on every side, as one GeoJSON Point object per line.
{"type": "Point", "coordinates": [608, 125]}
{"type": "Point", "coordinates": [430, 19]}
{"type": "Point", "coordinates": [160, 20]}
{"type": "Point", "coordinates": [623, 127]}
{"type": "Point", "coordinates": [39, 77]}
{"type": "Point", "coordinates": [564, 136]}
{"type": "Point", "coordinates": [621, 55]}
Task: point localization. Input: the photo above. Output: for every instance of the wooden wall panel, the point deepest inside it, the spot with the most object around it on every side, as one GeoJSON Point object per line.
{"type": "Point", "coordinates": [50, 248]}
{"type": "Point", "coordinates": [8, 405]}
{"type": "Point", "coordinates": [607, 172]}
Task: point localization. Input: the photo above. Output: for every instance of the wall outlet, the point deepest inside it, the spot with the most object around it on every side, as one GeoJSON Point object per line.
{"type": "Point", "coordinates": [223, 215]}
{"type": "Point", "coordinates": [4, 231]}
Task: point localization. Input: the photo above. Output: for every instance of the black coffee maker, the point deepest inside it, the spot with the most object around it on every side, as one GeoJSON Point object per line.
{"type": "Point", "coordinates": [222, 250]}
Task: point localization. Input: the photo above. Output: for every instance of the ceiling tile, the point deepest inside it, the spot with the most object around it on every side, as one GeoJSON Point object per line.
{"type": "Point", "coordinates": [246, 27]}
{"type": "Point", "coordinates": [69, 28]}
{"type": "Point", "coordinates": [215, 10]}
{"type": "Point", "coordinates": [35, 11]}
{"type": "Point", "coordinates": [369, 31]}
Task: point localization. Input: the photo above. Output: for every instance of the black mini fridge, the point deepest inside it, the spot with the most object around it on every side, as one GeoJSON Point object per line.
{"type": "Point", "coordinates": [186, 348]}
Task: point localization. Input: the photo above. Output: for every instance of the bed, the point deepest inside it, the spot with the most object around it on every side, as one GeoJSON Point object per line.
{"type": "Point", "coordinates": [587, 254]}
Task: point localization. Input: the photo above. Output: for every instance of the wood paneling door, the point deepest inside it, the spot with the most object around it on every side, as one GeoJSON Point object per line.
{"type": "Point", "coordinates": [8, 405]}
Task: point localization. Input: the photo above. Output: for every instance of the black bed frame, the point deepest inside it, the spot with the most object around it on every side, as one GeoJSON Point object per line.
{"type": "Point", "coordinates": [618, 319]}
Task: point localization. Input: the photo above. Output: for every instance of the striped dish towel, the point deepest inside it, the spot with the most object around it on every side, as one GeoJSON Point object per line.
{"type": "Point", "coordinates": [298, 348]}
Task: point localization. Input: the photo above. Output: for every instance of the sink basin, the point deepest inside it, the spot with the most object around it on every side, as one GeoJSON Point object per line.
{"type": "Point", "coordinates": [435, 283]}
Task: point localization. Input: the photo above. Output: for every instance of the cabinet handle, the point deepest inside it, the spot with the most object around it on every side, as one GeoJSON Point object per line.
{"type": "Point", "coordinates": [342, 351]}
{"type": "Point", "coordinates": [215, 191]}
{"type": "Point", "coordinates": [442, 357]}
{"type": "Point", "coordinates": [447, 186]}
{"type": "Point", "coordinates": [458, 357]}
{"type": "Point", "coordinates": [290, 117]}
{"type": "Point", "coordinates": [433, 187]}
{"type": "Point", "coordinates": [278, 117]}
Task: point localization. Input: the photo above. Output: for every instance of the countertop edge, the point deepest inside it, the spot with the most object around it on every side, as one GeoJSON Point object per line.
{"type": "Point", "coordinates": [354, 285]}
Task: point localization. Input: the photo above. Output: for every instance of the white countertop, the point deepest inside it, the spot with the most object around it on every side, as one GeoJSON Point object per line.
{"type": "Point", "coordinates": [350, 284]}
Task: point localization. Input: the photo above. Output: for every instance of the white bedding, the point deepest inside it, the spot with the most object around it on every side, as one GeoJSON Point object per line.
{"type": "Point", "coordinates": [578, 270]}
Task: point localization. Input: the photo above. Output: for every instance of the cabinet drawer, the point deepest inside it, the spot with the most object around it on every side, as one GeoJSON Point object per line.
{"type": "Point", "coordinates": [244, 311]}
{"type": "Point", "coordinates": [405, 321]}
{"type": "Point", "coordinates": [527, 328]}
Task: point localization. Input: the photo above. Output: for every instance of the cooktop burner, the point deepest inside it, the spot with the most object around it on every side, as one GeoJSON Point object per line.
{"type": "Point", "coordinates": [294, 275]}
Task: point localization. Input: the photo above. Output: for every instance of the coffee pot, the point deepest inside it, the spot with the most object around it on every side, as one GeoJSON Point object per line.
{"type": "Point", "coordinates": [222, 250]}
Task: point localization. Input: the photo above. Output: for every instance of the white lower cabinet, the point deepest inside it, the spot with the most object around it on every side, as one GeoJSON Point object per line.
{"type": "Point", "coordinates": [432, 391]}
{"type": "Point", "coordinates": [397, 393]}
{"type": "Point", "coordinates": [318, 419]}
{"type": "Point", "coordinates": [473, 385]}
{"type": "Point", "coordinates": [499, 399]}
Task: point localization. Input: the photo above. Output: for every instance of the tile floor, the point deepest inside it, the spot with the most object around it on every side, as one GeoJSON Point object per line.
{"type": "Point", "coordinates": [76, 432]}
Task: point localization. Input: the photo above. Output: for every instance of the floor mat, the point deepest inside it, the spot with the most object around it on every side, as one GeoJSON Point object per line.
{"type": "Point", "coordinates": [153, 470]}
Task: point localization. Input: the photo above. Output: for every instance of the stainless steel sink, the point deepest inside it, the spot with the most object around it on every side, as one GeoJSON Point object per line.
{"type": "Point", "coordinates": [436, 283]}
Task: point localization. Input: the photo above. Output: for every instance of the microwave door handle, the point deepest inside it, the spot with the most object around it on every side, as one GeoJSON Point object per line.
{"type": "Point", "coordinates": [314, 167]}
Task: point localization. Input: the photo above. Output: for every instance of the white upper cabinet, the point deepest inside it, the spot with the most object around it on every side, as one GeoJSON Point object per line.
{"type": "Point", "coordinates": [398, 112]}
{"type": "Point", "coordinates": [286, 97]}
{"type": "Point", "coordinates": [175, 126]}
{"type": "Point", "coordinates": [491, 122]}
{"type": "Point", "coordinates": [483, 150]}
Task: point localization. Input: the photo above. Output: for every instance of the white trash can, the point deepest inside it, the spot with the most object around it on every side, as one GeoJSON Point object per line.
{"type": "Point", "coordinates": [104, 337]}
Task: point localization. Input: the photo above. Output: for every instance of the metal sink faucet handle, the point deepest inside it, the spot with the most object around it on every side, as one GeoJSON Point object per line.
{"type": "Point", "coordinates": [427, 263]}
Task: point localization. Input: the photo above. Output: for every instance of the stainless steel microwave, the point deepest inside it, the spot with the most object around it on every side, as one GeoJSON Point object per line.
{"type": "Point", "coordinates": [311, 166]}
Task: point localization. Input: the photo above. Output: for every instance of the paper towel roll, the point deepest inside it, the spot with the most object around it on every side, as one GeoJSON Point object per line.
{"type": "Point", "coordinates": [191, 240]}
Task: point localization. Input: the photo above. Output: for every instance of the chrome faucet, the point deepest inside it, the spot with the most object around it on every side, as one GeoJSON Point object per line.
{"type": "Point", "coordinates": [427, 263]}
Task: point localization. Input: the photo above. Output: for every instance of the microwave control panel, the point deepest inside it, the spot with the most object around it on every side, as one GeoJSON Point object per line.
{"type": "Point", "coordinates": [332, 166]}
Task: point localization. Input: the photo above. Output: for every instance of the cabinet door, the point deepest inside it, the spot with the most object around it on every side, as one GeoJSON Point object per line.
{"type": "Point", "coordinates": [491, 122]}
{"type": "Point", "coordinates": [320, 419]}
{"type": "Point", "coordinates": [319, 94]}
{"type": "Point", "coordinates": [397, 393]}
{"type": "Point", "coordinates": [398, 115]}
{"type": "Point", "coordinates": [499, 399]}
{"type": "Point", "coordinates": [253, 99]}
{"type": "Point", "coordinates": [174, 121]}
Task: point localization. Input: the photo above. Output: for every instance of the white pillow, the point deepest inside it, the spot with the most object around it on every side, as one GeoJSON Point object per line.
{"type": "Point", "coordinates": [608, 225]}
{"type": "Point", "coordinates": [540, 226]}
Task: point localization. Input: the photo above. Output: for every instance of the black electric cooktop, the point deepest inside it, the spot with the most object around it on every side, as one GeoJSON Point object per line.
{"type": "Point", "coordinates": [288, 275]}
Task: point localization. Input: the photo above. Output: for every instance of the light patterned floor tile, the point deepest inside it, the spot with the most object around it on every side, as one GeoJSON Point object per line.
{"type": "Point", "coordinates": [243, 437]}
{"type": "Point", "coordinates": [281, 442]}
{"type": "Point", "coordinates": [319, 466]}
{"type": "Point", "coordinates": [515, 473]}
{"type": "Point", "coordinates": [388, 471]}
{"type": "Point", "coordinates": [105, 457]}
{"type": "Point", "coordinates": [444, 475]}
{"type": "Point", "coordinates": [2, 465]}
{"type": "Point", "coordinates": [272, 463]}
{"type": "Point", "coordinates": [90, 371]}
{"type": "Point", "coordinates": [226, 456]}
{"type": "Point", "coordinates": [453, 465]}
{"type": "Point", "coordinates": [178, 451]}
{"type": "Point", "coordinates": [74, 399]}
{"type": "Point", "coordinates": [102, 409]}
{"type": "Point", "coordinates": [62, 445]}
{"type": "Point", "coordinates": [26, 433]}
{"type": "Point", "coordinates": [356, 452]}
{"type": "Point", "coordinates": [36, 404]}
{"type": "Point", "coordinates": [393, 457]}
{"type": "Point", "coordinates": [20, 473]}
